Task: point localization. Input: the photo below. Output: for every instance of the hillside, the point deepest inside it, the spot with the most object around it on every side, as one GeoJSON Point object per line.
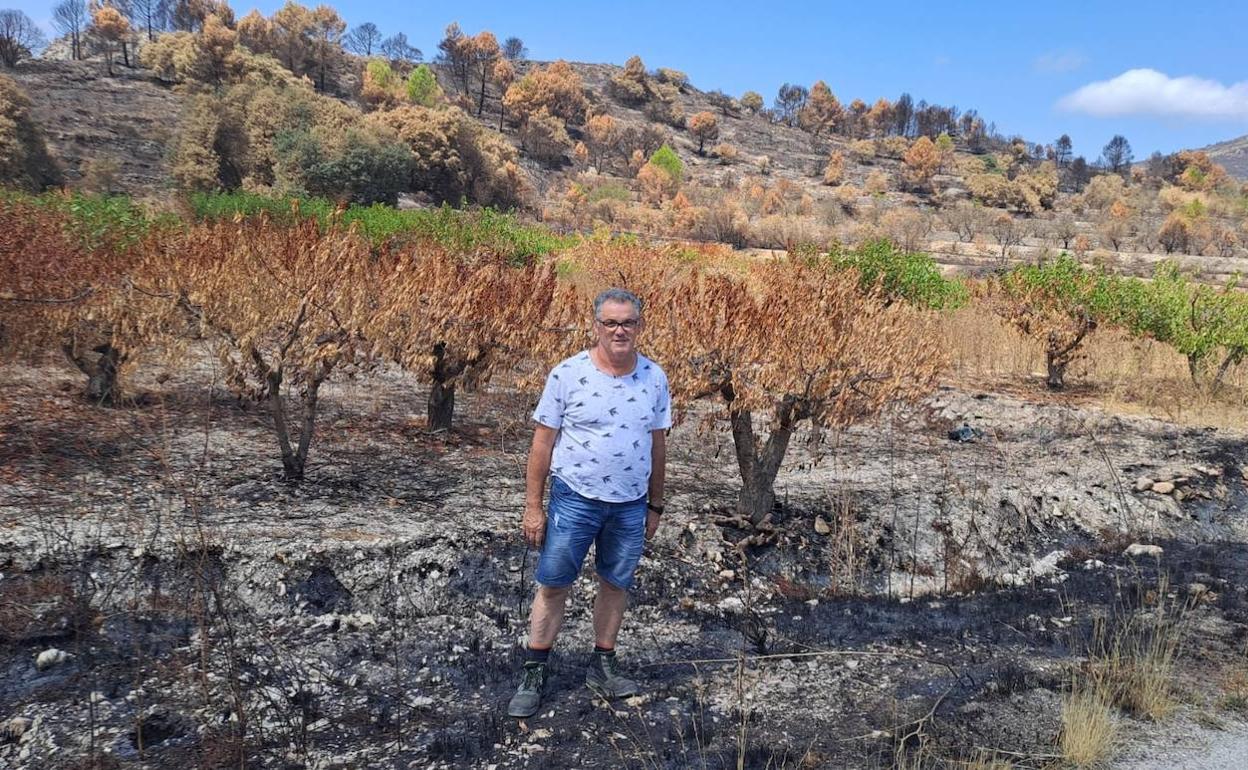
{"type": "Point", "coordinates": [1232, 154]}
{"type": "Point", "coordinates": [92, 119]}
{"type": "Point", "coordinates": [757, 183]}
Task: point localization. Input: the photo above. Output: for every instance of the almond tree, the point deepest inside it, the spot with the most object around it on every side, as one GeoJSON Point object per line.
{"type": "Point", "coordinates": [1058, 302]}
{"type": "Point", "coordinates": [285, 306]}
{"type": "Point", "coordinates": [456, 321]}
{"type": "Point", "coordinates": [66, 286]}
{"type": "Point", "coordinates": [784, 343]}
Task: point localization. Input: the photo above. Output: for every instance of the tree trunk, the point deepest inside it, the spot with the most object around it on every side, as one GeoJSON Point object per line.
{"type": "Point", "coordinates": [102, 385]}
{"type": "Point", "coordinates": [1232, 359]}
{"type": "Point", "coordinates": [759, 465]}
{"type": "Point", "coordinates": [1057, 370]}
{"type": "Point", "coordinates": [441, 405]}
{"type": "Point", "coordinates": [292, 468]}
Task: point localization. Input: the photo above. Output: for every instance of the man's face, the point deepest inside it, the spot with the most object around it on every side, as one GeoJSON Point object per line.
{"type": "Point", "coordinates": [617, 326]}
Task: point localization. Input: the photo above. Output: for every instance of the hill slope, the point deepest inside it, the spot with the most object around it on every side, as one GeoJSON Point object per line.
{"type": "Point", "coordinates": [89, 118]}
{"type": "Point", "coordinates": [1232, 154]}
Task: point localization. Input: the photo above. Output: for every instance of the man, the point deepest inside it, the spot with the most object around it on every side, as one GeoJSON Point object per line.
{"type": "Point", "coordinates": [601, 436]}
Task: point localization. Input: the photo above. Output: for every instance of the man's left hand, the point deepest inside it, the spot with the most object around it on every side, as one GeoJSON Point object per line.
{"type": "Point", "coordinates": [652, 524]}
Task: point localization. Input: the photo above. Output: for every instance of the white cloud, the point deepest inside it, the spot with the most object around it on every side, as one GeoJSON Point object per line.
{"type": "Point", "coordinates": [1059, 61]}
{"type": "Point", "coordinates": [1149, 92]}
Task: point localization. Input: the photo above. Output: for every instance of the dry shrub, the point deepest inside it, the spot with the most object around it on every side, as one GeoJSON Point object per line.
{"type": "Point", "coordinates": [556, 88]}
{"type": "Point", "coordinates": [877, 182]}
{"type": "Point", "coordinates": [862, 151]}
{"type": "Point", "coordinates": [907, 228]}
{"type": "Point", "coordinates": [545, 138]}
{"type": "Point", "coordinates": [725, 153]}
{"type": "Point", "coordinates": [1090, 728]}
{"type": "Point", "coordinates": [786, 231]}
{"type": "Point", "coordinates": [99, 175]}
{"type": "Point", "coordinates": [1103, 190]}
{"type": "Point", "coordinates": [834, 171]}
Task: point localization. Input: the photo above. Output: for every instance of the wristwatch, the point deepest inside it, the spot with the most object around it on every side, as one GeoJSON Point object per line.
{"type": "Point", "coordinates": [656, 508]}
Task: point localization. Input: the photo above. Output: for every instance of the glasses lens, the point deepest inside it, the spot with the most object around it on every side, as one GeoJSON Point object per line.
{"type": "Point", "coordinates": [612, 324]}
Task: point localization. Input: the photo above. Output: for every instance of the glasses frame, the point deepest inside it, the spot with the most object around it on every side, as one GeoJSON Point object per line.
{"type": "Point", "coordinates": [628, 325]}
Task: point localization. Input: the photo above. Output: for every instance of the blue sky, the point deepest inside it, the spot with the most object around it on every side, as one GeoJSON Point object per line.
{"type": "Point", "coordinates": [1167, 76]}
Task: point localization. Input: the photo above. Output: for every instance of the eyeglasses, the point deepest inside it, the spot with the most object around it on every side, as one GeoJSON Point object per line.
{"type": "Point", "coordinates": [611, 324]}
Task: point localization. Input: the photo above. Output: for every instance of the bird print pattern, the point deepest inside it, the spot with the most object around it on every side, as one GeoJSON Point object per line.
{"type": "Point", "coordinates": [599, 418]}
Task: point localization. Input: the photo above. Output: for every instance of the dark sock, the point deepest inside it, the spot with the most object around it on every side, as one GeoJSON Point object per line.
{"type": "Point", "coordinates": [604, 650]}
{"type": "Point", "coordinates": [536, 655]}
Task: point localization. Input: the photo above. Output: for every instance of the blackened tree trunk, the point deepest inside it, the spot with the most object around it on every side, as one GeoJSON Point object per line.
{"type": "Point", "coordinates": [1058, 354]}
{"type": "Point", "coordinates": [449, 366]}
{"type": "Point", "coordinates": [441, 406]}
{"type": "Point", "coordinates": [295, 454]}
{"type": "Point", "coordinates": [759, 463]}
{"type": "Point", "coordinates": [102, 371]}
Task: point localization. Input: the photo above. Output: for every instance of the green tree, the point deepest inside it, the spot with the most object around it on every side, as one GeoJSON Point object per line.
{"type": "Point", "coordinates": [423, 88]}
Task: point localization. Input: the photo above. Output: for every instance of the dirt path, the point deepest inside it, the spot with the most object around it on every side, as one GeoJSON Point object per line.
{"type": "Point", "coordinates": [1185, 745]}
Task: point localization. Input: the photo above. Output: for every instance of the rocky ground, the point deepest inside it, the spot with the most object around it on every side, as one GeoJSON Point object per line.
{"type": "Point", "coordinates": [166, 602]}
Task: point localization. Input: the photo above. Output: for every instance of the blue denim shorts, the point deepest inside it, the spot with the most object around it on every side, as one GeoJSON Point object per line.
{"type": "Point", "coordinates": [617, 530]}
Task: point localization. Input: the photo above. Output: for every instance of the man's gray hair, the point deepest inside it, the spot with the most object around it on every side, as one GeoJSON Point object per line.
{"type": "Point", "coordinates": [616, 295]}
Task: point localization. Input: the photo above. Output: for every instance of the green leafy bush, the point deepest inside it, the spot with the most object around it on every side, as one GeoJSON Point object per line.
{"type": "Point", "coordinates": [901, 275]}
{"type": "Point", "coordinates": [461, 231]}
{"type": "Point", "coordinates": [666, 159]}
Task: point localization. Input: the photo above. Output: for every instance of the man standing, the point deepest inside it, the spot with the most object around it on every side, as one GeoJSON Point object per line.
{"type": "Point", "coordinates": [601, 436]}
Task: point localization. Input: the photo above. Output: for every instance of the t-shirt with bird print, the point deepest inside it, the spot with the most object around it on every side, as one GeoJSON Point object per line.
{"type": "Point", "coordinates": [604, 423]}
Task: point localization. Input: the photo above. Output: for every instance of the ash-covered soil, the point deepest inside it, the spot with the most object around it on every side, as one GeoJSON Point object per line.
{"type": "Point", "coordinates": [167, 602]}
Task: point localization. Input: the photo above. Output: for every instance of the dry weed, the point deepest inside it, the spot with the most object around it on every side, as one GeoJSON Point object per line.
{"type": "Point", "coordinates": [1090, 729]}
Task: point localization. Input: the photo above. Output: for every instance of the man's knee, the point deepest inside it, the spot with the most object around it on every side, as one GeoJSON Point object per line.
{"type": "Point", "coordinates": [552, 593]}
{"type": "Point", "coordinates": [609, 587]}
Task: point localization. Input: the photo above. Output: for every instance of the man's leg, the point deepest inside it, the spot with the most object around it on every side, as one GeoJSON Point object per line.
{"type": "Point", "coordinates": [546, 616]}
{"type": "Point", "coordinates": [618, 551]}
{"type": "Point", "coordinates": [608, 614]}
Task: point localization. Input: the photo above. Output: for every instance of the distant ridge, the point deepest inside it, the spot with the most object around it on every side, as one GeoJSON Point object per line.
{"type": "Point", "coordinates": [1233, 155]}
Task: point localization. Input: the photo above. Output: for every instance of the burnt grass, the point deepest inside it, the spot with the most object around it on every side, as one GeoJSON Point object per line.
{"type": "Point", "coordinates": [215, 616]}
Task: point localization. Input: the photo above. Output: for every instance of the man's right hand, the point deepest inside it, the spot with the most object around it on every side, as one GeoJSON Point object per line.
{"type": "Point", "coordinates": [533, 525]}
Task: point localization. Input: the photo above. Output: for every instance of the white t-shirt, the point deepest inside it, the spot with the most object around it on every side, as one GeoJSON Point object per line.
{"type": "Point", "coordinates": [604, 424]}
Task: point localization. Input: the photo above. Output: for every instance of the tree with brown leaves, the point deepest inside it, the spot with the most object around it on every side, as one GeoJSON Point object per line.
{"type": "Point", "coordinates": [704, 127]}
{"type": "Point", "coordinates": [922, 161]}
{"type": "Point", "coordinates": [555, 87]}
{"type": "Point", "coordinates": [64, 289]}
{"type": "Point", "coordinates": [784, 344]}
{"type": "Point", "coordinates": [457, 321]}
{"type": "Point", "coordinates": [111, 29]}
{"type": "Point", "coordinates": [285, 305]}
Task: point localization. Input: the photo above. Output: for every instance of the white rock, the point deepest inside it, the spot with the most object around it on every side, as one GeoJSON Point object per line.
{"type": "Point", "coordinates": [360, 620]}
{"type": "Point", "coordinates": [15, 728]}
{"type": "Point", "coordinates": [49, 658]}
{"type": "Point", "coordinates": [1197, 589]}
{"type": "Point", "coordinates": [1163, 487]}
{"type": "Point", "coordinates": [727, 574]}
{"type": "Point", "coordinates": [731, 604]}
{"type": "Point", "coordinates": [821, 526]}
{"type": "Point", "coordinates": [1143, 483]}
{"type": "Point", "coordinates": [1139, 549]}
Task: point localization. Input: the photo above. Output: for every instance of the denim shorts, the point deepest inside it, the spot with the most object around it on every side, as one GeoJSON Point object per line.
{"type": "Point", "coordinates": [617, 530]}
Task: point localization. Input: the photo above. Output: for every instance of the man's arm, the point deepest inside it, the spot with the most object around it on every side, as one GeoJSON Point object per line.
{"type": "Point", "coordinates": [658, 473]}
{"type": "Point", "coordinates": [534, 522]}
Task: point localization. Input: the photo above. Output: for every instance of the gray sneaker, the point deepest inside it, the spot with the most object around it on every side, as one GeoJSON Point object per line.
{"type": "Point", "coordinates": [528, 697]}
{"type": "Point", "coordinates": [603, 678]}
